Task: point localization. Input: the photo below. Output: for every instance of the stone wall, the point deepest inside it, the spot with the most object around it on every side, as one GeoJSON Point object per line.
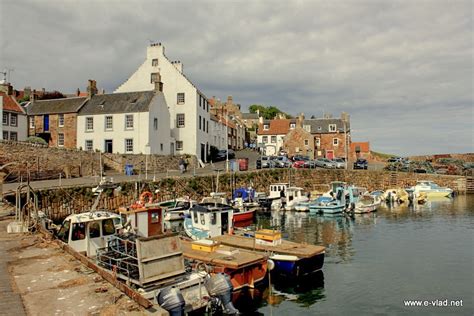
{"type": "Point", "coordinates": [60, 203]}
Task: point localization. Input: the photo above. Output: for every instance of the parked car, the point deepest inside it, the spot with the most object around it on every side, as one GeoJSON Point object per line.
{"type": "Point", "coordinates": [310, 164]}
{"type": "Point", "coordinates": [298, 164]}
{"type": "Point", "coordinates": [265, 162]}
{"type": "Point", "coordinates": [300, 158]}
{"type": "Point", "coordinates": [222, 155]}
{"type": "Point", "coordinates": [340, 163]}
{"type": "Point", "coordinates": [361, 164]}
{"type": "Point", "coordinates": [395, 159]}
{"type": "Point", "coordinates": [282, 162]}
{"type": "Point", "coordinates": [325, 163]}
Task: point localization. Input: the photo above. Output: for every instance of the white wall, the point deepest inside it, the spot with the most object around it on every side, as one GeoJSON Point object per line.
{"type": "Point", "coordinates": [1, 116]}
{"type": "Point", "coordinates": [21, 127]}
{"type": "Point", "coordinates": [271, 148]}
{"type": "Point", "coordinates": [174, 82]}
{"type": "Point", "coordinates": [161, 135]}
{"type": "Point", "coordinates": [118, 134]}
{"type": "Point", "coordinates": [217, 135]}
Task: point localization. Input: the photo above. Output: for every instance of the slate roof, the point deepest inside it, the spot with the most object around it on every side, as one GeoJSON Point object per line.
{"type": "Point", "coordinates": [126, 102]}
{"type": "Point", "coordinates": [55, 106]}
{"type": "Point", "coordinates": [321, 125]}
{"type": "Point", "coordinates": [10, 104]}
{"type": "Point", "coordinates": [249, 116]}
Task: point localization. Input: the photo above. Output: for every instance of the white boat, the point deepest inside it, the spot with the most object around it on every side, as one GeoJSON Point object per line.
{"type": "Point", "coordinates": [431, 189]}
{"type": "Point", "coordinates": [366, 203]}
{"type": "Point", "coordinates": [208, 220]}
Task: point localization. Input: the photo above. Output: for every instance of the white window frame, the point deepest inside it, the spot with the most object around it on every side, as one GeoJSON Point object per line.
{"type": "Point", "coordinates": [332, 128]}
{"type": "Point", "coordinates": [179, 145]}
{"type": "Point", "coordinates": [266, 127]}
{"type": "Point", "coordinates": [180, 98]}
{"type": "Point", "coordinates": [154, 62]}
{"type": "Point", "coordinates": [264, 139]}
{"type": "Point", "coordinates": [60, 120]}
{"type": "Point", "coordinates": [16, 136]}
{"type": "Point", "coordinates": [106, 127]}
{"type": "Point", "coordinates": [89, 119]}
{"type": "Point", "coordinates": [13, 119]}
{"type": "Point", "coordinates": [154, 77]}
{"type": "Point", "coordinates": [292, 125]}
{"type": "Point", "coordinates": [307, 128]}
{"type": "Point", "coordinates": [273, 139]}
{"type": "Point", "coordinates": [178, 119]}
{"type": "Point", "coordinates": [86, 147]}
{"type": "Point", "coordinates": [335, 141]}
{"type": "Point", "coordinates": [318, 142]}
{"type": "Point", "coordinates": [127, 143]}
{"type": "Point", "coordinates": [128, 120]}
{"type": "Point", "coordinates": [32, 122]}
{"type": "Point", "coordinates": [5, 135]}
{"type": "Point", "coordinates": [60, 143]}
{"type": "Point", "coordinates": [5, 119]}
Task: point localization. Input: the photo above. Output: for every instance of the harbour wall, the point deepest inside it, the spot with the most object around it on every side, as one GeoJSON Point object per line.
{"type": "Point", "coordinates": [59, 203]}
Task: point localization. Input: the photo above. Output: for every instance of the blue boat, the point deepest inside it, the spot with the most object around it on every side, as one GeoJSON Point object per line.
{"type": "Point", "coordinates": [330, 205]}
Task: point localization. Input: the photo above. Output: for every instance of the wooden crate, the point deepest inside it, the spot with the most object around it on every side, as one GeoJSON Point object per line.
{"type": "Point", "coordinates": [205, 245]}
{"type": "Point", "coordinates": [268, 235]}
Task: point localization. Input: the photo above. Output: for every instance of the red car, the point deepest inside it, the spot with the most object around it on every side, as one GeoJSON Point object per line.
{"type": "Point", "coordinates": [298, 164]}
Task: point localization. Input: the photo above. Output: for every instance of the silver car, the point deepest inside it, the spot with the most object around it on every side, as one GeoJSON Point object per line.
{"type": "Point", "coordinates": [325, 163]}
{"type": "Point", "coordinates": [282, 162]}
{"type": "Point", "coordinates": [340, 163]}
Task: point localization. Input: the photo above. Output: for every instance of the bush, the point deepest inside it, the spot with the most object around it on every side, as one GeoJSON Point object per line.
{"type": "Point", "coordinates": [36, 140]}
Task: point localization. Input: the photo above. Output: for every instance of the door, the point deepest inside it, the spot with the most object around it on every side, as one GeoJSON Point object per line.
{"type": "Point", "coordinates": [330, 154]}
{"type": "Point", "coordinates": [46, 123]}
{"type": "Point", "coordinates": [94, 236]}
{"type": "Point", "coordinates": [172, 149]}
{"type": "Point", "coordinates": [203, 152]}
{"type": "Point", "coordinates": [154, 222]}
{"type": "Point", "coordinates": [224, 223]}
{"type": "Point", "coordinates": [108, 148]}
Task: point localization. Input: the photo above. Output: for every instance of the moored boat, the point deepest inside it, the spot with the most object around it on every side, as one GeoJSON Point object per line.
{"type": "Point", "coordinates": [431, 189]}
{"type": "Point", "coordinates": [207, 220]}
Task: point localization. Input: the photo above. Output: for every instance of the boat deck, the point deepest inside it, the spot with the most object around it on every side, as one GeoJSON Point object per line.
{"type": "Point", "coordinates": [241, 259]}
{"type": "Point", "coordinates": [286, 247]}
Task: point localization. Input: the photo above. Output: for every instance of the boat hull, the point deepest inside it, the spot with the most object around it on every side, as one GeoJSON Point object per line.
{"type": "Point", "coordinates": [327, 209]}
{"type": "Point", "coordinates": [297, 267]}
{"type": "Point", "coordinates": [244, 216]}
{"type": "Point", "coordinates": [247, 276]}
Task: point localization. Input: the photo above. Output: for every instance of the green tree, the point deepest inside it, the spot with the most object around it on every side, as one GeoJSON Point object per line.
{"type": "Point", "coordinates": [267, 112]}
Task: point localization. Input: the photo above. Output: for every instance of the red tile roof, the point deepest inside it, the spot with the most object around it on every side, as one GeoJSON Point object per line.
{"type": "Point", "coordinates": [10, 104]}
{"type": "Point", "coordinates": [363, 146]}
{"type": "Point", "coordinates": [277, 127]}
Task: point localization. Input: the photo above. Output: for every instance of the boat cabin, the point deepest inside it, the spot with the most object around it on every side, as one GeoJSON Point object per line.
{"type": "Point", "coordinates": [87, 232]}
{"type": "Point", "coordinates": [215, 220]}
{"type": "Point", "coordinates": [276, 188]}
{"type": "Point", "coordinates": [145, 221]}
{"type": "Point", "coordinates": [216, 198]}
{"type": "Point", "coordinates": [293, 193]}
{"type": "Point", "coordinates": [245, 194]}
{"type": "Point", "coordinates": [355, 192]}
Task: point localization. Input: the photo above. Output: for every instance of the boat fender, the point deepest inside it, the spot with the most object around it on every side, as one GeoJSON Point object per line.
{"type": "Point", "coordinates": [270, 264]}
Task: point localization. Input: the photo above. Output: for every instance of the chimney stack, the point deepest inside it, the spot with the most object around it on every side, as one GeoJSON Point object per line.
{"type": "Point", "coordinates": [92, 88]}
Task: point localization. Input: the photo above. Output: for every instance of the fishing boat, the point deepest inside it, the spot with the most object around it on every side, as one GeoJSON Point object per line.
{"type": "Point", "coordinates": [239, 214]}
{"type": "Point", "coordinates": [207, 220]}
{"type": "Point", "coordinates": [302, 206]}
{"type": "Point", "coordinates": [366, 203]}
{"type": "Point", "coordinates": [245, 268]}
{"type": "Point", "coordinates": [327, 205]}
{"type": "Point", "coordinates": [290, 258]}
{"type": "Point", "coordinates": [431, 189]}
{"type": "Point", "coordinates": [291, 197]}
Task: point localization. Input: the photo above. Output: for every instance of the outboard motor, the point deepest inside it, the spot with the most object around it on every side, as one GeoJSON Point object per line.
{"type": "Point", "coordinates": [172, 301]}
{"type": "Point", "coordinates": [219, 286]}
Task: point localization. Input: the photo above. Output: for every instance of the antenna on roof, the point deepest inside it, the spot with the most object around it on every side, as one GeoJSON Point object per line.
{"type": "Point", "coordinates": [9, 71]}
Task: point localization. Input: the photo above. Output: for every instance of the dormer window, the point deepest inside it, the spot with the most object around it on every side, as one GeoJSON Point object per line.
{"type": "Point", "coordinates": [154, 62]}
{"type": "Point", "coordinates": [319, 128]}
{"type": "Point", "coordinates": [266, 127]}
{"type": "Point", "coordinates": [292, 125]}
{"type": "Point", "coordinates": [332, 127]}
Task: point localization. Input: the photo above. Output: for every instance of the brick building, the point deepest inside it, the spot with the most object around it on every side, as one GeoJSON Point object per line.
{"type": "Point", "coordinates": [299, 141]}
{"type": "Point", "coordinates": [360, 150]}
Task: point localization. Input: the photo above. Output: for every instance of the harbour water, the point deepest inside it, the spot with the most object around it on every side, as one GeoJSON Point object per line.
{"type": "Point", "coordinates": [375, 262]}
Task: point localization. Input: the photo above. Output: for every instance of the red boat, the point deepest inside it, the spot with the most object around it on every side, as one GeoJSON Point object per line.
{"type": "Point", "coordinates": [242, 216]}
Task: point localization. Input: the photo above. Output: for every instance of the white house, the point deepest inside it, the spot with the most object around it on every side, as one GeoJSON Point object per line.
{"type": "Point", "coordinates": [271, 134]}
{"type": "Point", "coordinates": [129, 123]}
{"type": "Point", "coordinates": [217, 132]}
{"type": "Point", "coordinates": [14, 119]}
{"type": "Point", "coordinates": [188, 107]}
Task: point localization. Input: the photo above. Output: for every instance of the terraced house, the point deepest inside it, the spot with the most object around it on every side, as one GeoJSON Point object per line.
{"type": "Point", "coordinates": [14, 120]}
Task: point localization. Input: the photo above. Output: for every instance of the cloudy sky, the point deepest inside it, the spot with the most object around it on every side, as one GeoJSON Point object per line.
{"type": "Point", "coordinates": [402, 69]}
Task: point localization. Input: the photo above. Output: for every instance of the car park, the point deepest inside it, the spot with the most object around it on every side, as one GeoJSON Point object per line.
{"type": "Point", "coordinates": [361, 164]}
{"type": "Point", "coordinates": [325, 163]}
{"type": "Point", "coordinates": [282, 162]}
{"type": "Point", "coordinates": [265, 162]}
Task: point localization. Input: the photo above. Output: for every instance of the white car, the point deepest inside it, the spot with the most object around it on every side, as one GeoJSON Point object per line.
{"type": "Point", "coordinates": [340, 163]}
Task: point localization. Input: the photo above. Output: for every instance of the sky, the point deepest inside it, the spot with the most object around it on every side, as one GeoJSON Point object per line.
{"type": "Point", "coordinates": [403, 70]}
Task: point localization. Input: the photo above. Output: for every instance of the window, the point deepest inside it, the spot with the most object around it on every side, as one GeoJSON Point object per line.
{"type": "Point", "coordinates": [94, 229]}
{"type": "Point", "coordinates": [89, 123]}
{"type": "Point", "coordinates": [319, 128]}
{"type": "Point", "coordinates": [60, 120]}
{"type": "Point", "coordinates": [335, 141]}
{"type": "Point", "coordinates": [14, 136]}
{"type": "Point", "coordinates": [32, 122]}
{"type": "Point", "coordinates": [213, 218]}
{"type": "Point", "coordinates": [155, 123]}
{"type": "Point", "coordinates": [13, 119]}
{"type": "Point", "coordinates": [154, 77]}
{"type": "Point", "coordinates": [195, 216]}
{"type": "Point", "coordinates": [306, 142]}
{"type": "Point", "coordinates": [318, 142]}
{"type": "Point", "coordinates": [89, 146]}
{"type": "Point", "coordinates": [161, 147]}
{"type": "Point", "coordinates": [109, 123]}
{"type": "Point", "coordinates": [274, 139]}
{"type": "Point", "coordinates": [266, 127]}
{"type": "Point", "coordinates": [60, 139]}
{"type": "Point", "coordinates": [179, 145]}
{"type": "Point", "coordinates": [207, 127]}
{"type": "Point", "coordinates": [307, 128]}
{"type": "Point", "coordinates": [265, 139]}
{"type": "Point", "coordinates": [154, 62]}
{"type": "Point", "coordinates": [180, 120]}
{"type": "Point", "coordinates": [78, 231]}
{"type": "Point", "coordinates": [203, 221]}
{"type": "Point", "coordinates": [63, 233]}
{"type": "Point", "coordinates": [332, 127]}
{"type": "Point", "coordinates": [5, 135]}
{"type": "Point", "coordinates": [180, 98]}
{"type": "Point", "coordinates": [199, 121]}
{"type": "Point", "coordinates": [129, 121]}
{"type": "Point", "coordinates": [108, 227]}
{"type": "Point", "coordinates": [155, 217]}
{"type": "Point", "coordinates": [129, 145]}
{"type": "Point", "coordinates": [292, 125]}
{"type": "Point", "coordinates": [5, 118]}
